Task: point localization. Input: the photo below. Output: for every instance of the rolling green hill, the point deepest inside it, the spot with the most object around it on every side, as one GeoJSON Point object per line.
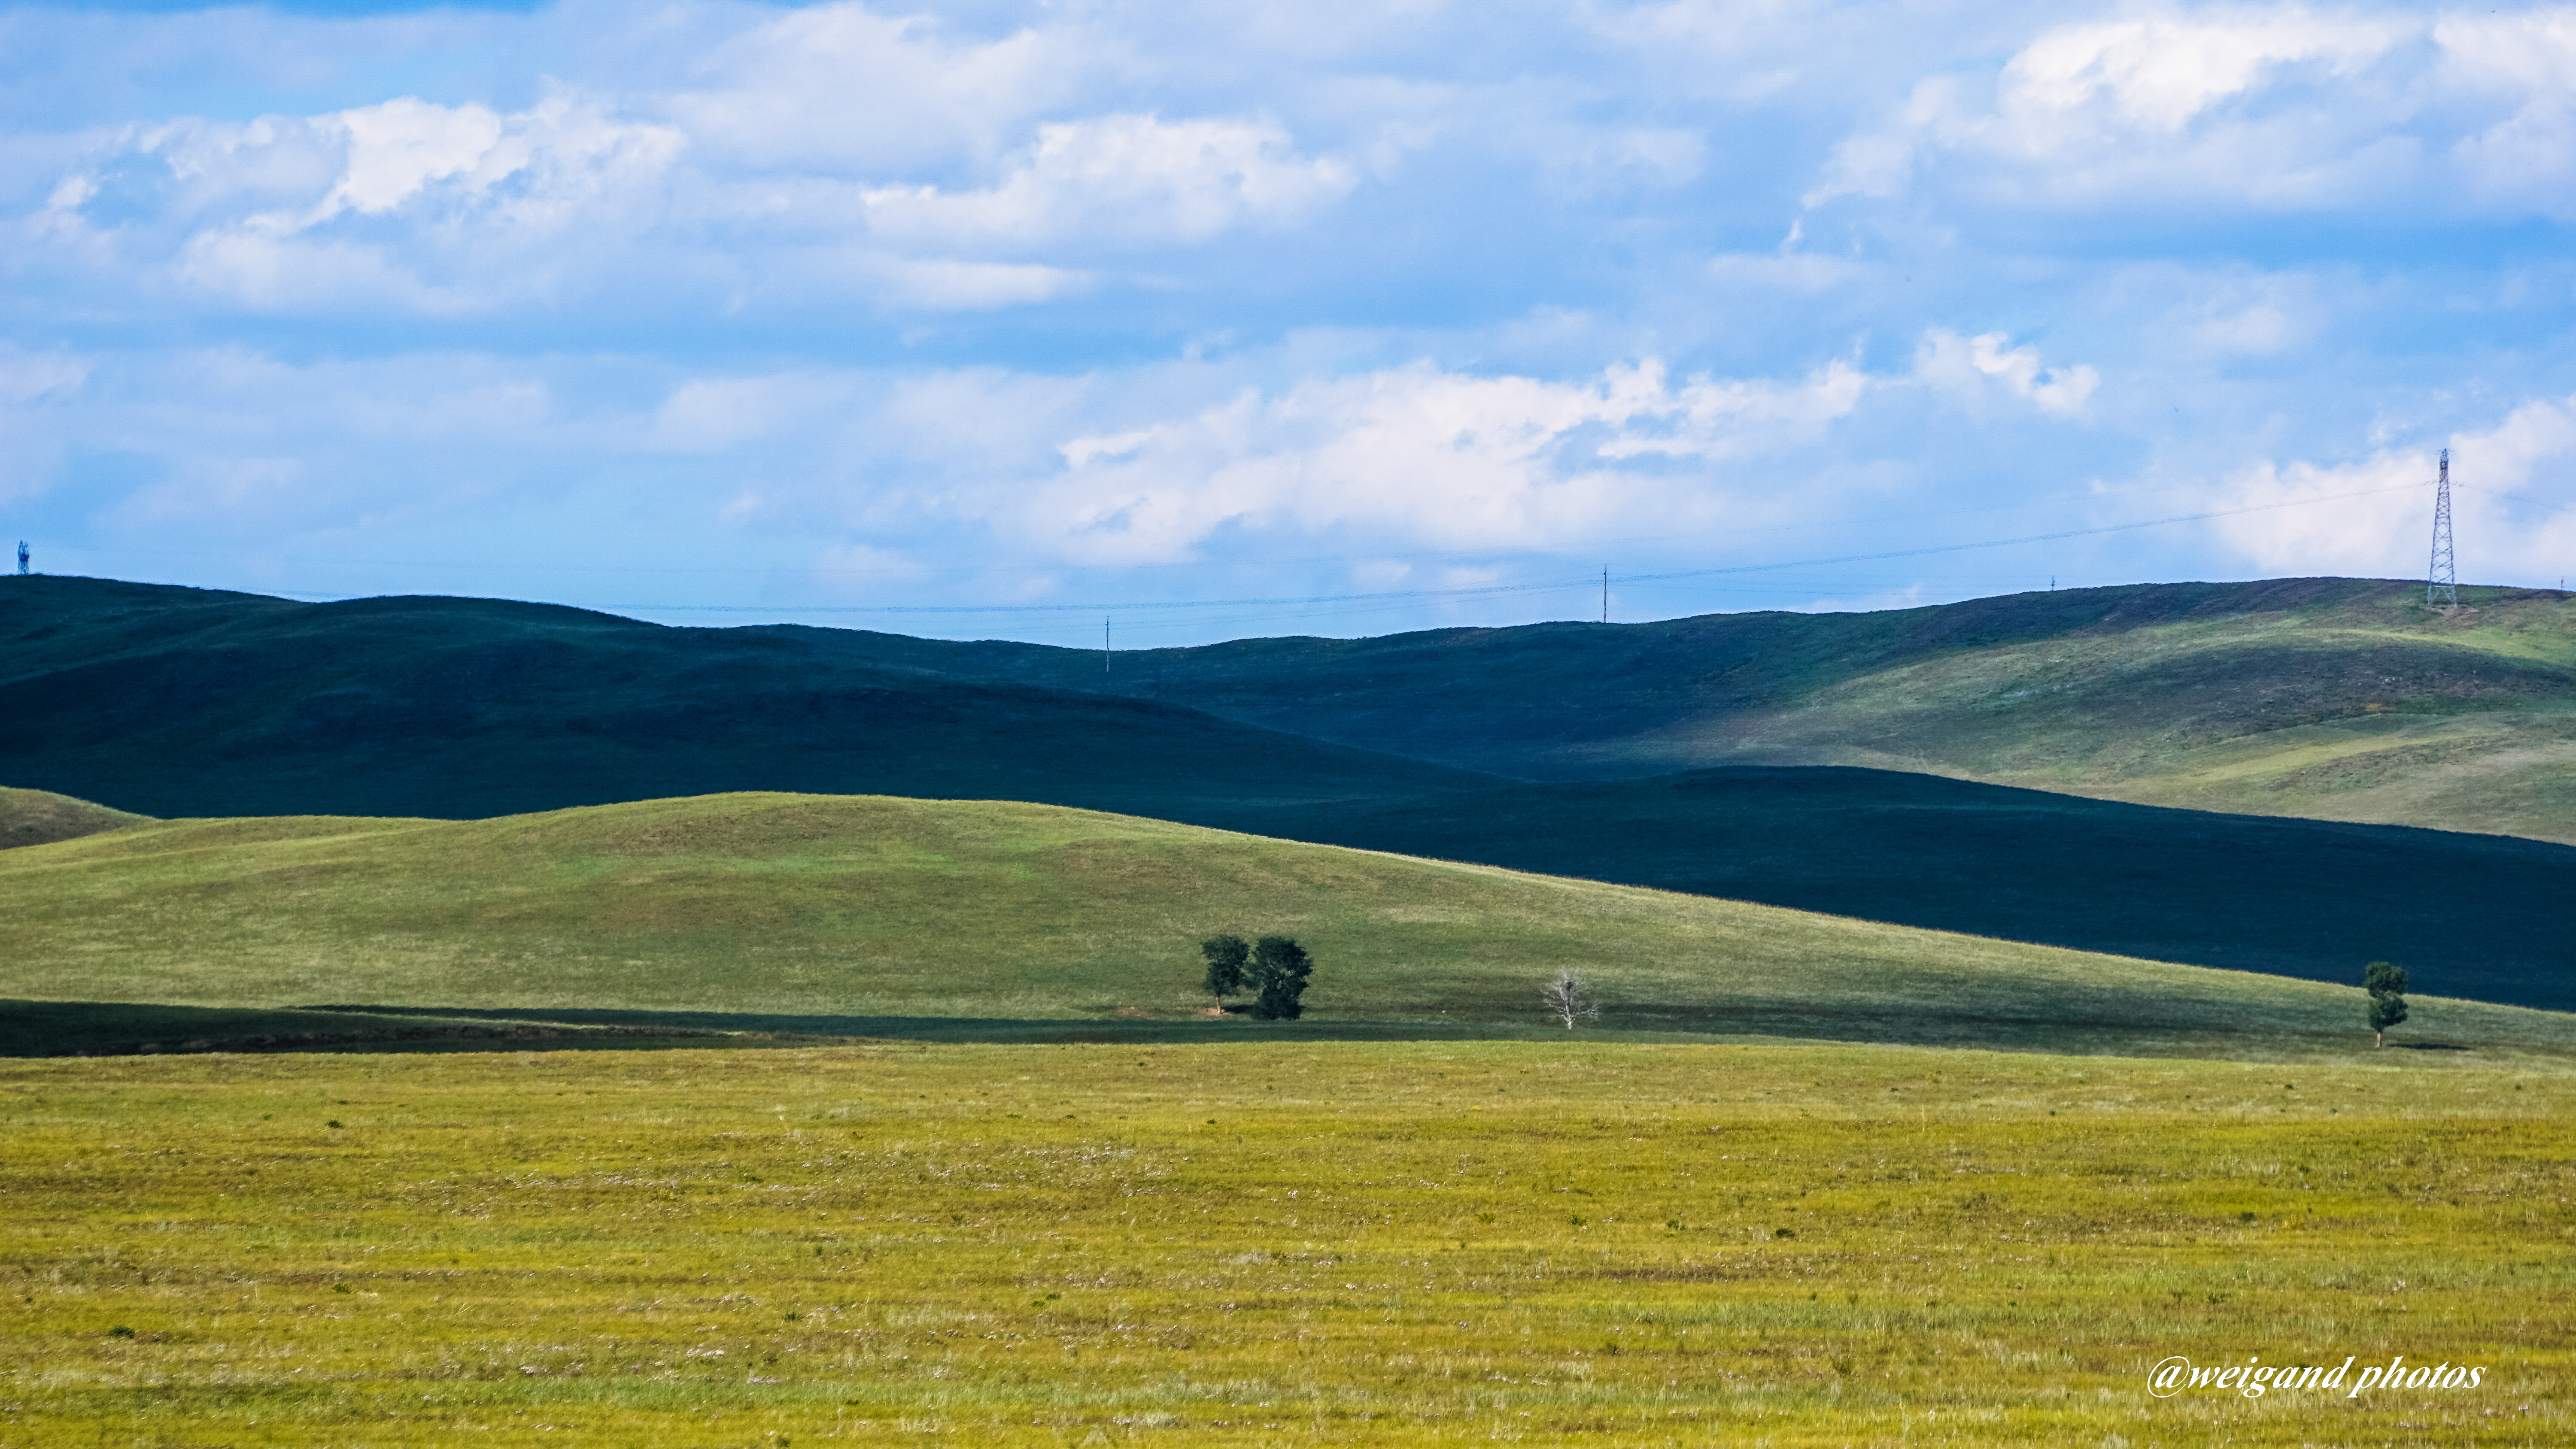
{"type": "Point", "coordinates": [181, 702]}
{"type": "Point", "coordinates": [2342, 699]}
{"type": "Point", "coordinates": [894, 916]}
{"type": "Point", "coordinates": [2336, 699]}
{"type": "Point", "coordinates": [189, 702]}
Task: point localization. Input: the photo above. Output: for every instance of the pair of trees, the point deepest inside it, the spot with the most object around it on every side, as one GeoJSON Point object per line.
{"type": "Point", "coordinates": [1274, 968]}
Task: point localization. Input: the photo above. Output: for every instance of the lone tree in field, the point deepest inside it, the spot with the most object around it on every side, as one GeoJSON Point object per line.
{"type": "Point", "coordinates": [1279, 971]}
{"type": "Point", "coordinates": [1226, 966]}
{"type": "Point", "coordinates": [1568, 998]}
{"type": "Point", "coordinates": [2387, 987]}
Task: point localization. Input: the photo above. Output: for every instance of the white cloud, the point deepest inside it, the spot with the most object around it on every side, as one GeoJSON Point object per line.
{"type": "Point", "coordinates": [1434, 458]}
{"type": "Point", "coordinates": [396, 149]}
{"type": "Point", "coordinates": [413, 207]}
{"type": "Point", "coordinates": [714, 415]}
{"type": "Point", "coordinates": [2526, 160]}
{"type": "Point", "coordinates": [856, 570]}
{"type": "Point", "coordinates": [401, 206]}
{"type": "Point", "coordinates": [1966, 365]}
{"type": "Point", "coordinates": [32, 384]}
{"type": "Point", "coordinates": [2161, 73]}
{"type": "Point", "coordinates": [28, 376]}
{"type": "Point", "coordinates": [2386, 531]}
{"type": "Point", "coordinates": [1120, 179]}
{"type": "Point", "coordinates": [2279, 108]}
{"type": "Point", "coordinates": [840, 90]}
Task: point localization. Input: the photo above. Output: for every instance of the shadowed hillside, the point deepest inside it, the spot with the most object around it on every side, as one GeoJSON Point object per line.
{"type": "Point", "coordinates": [2334, 698]}
{"type": "Point", "coordinates": [2469, 915]}
{"type": "Point", "coordinates": [186, 703]}
{"type": "Point", "coordinates": [189, 702]}
{"type": "Point", "coordinates": [838, 913]}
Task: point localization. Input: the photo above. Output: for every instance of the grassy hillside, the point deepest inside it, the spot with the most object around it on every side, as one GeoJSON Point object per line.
{"type": "Point", "coordinates": [184, 702]}
{"type": "Point", "coordinates": [188, 702]}
{"type": "Point", "coordinates": [2336, 698]}
{"type": "Point", "coordinates": [39, 817]}
{"type": "Point", "coordinates": [2469, 915]}
{"type": "Point", "coordinates": [2332, 698]}
{"type": "Point", "coordinates": [886, 915]}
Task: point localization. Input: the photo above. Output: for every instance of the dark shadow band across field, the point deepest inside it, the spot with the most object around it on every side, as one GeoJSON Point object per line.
{"type": "Point", "coordinates": [99, 1028]}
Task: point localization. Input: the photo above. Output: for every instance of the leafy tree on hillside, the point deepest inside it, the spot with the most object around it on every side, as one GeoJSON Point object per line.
{"type": "Point", "coordinates": [2386, 984]}
{"type": "Point", "coordinates": [1279, 971]}
{"type": "Point", "coordinates": [1227, 970]}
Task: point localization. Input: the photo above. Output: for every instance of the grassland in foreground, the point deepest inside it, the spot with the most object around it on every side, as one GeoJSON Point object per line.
{"type": "Point", "coordinates": [1225, 1245]}
{"type": "Point", "coordinates": [858, 915]}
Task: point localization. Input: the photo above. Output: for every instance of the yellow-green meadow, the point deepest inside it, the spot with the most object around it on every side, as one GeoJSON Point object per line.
{"type": "Point", "coordinates": [1275, 1243]}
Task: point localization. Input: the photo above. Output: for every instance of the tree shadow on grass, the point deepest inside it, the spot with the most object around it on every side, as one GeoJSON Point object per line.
{"type": "Point", "coordinates": [95, 1028]}
{"type": "Point", "coordinates": [119, 1028]}
{"type": "Point", "coordinates": [130, 1028]}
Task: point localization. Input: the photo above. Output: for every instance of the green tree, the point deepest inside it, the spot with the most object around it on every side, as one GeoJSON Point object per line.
{"type": "Point", "coordinates": [1279, 971]}
{"type": "Point", "coordinates": [1227, 971]}
{"type": "Point", "coordinates": [2386, 984]}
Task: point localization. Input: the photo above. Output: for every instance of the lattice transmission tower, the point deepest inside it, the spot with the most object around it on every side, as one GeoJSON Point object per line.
{"type": "Point", "coordinates": [2442, 580]}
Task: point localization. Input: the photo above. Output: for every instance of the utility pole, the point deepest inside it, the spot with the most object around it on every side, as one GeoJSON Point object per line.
{"type": "Point", "coordinates": [1605, 596]}
{"type": "Point", "coordinates": [1104, 646]}
{"type": "Point", "coordinates": [22, 556]}
{"type": "Point", "coordinates": [2442, 578]}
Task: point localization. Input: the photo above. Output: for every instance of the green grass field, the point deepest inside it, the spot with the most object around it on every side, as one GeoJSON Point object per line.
{"type": "Point", "coordinates": [832, 915]}
{"type": "Point", "coordinates": [1245, 1245]}
{"type": "Point", "coordinates": [740, 1121]}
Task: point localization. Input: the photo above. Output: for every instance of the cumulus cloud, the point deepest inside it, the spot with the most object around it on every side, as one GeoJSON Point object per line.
{"type": "Point", "coordinates": [406, 204]}
{"type": "Point", "coordinates": [715, 415]}
{"type": "Point", "coordinates": [1119, 179]}
{"type": "Point", "coordinates": [2379, 520]}
{"type": "Point", "coordinates": [2160, 73]}
{"type": "Point", "coordinates": [1971, 365]}
{"type": "Point", "coordinates": [1419, 454]}
{"type": "Point", "coordinates": [410, 206]}
{"type": "Point", "coordinates": [2277, 108]}
{"type": "Point", "coordinates": [841, 90]}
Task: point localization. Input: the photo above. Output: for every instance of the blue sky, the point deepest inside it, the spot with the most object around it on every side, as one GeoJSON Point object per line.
{"type": "Point", "coordinates": [978, 320]}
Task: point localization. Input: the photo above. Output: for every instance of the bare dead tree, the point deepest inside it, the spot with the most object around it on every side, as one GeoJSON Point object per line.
{"type": "Point", "coordinates": [1568, 999]}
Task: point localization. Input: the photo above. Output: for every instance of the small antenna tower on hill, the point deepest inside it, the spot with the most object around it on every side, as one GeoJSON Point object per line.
{"type": "Point", "coordinates": [22, 555]}
{"type": "Point", "coordinates": [2442, 580]}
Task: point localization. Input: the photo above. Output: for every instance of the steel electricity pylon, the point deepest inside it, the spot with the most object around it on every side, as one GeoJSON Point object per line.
{"type": "Point", "coordinates": [2442, 580]}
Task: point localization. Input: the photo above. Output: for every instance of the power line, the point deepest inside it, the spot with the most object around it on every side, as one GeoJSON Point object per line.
{"type": "Point", "coordinates": [1399, 596]}
{"type": "Point", "coordinates": [1491, 590]}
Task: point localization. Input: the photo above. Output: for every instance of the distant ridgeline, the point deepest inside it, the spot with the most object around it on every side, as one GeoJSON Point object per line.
{"type": "Point", "coordinates": [1548, 747]}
